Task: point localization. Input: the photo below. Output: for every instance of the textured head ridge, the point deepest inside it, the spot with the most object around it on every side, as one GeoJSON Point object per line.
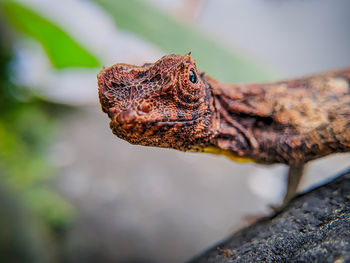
{"type": "Point", "coordinates": [158, 104]}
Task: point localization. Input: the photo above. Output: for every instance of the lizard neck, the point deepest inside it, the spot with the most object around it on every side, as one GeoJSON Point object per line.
{"type": "Point", "coordinates": [234, 137]}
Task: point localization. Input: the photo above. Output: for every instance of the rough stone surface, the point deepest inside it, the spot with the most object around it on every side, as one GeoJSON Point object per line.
{"type": "Point", "coordinates": [313, 227]}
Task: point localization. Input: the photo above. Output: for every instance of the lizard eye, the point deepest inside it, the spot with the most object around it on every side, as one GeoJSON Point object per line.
{"type": "Point", "coordinates": [192, 76]}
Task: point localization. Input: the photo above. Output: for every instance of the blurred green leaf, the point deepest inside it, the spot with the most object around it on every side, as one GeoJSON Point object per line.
{"type": "Point", "coordinates": [174, 37]}
{"type": "Point", "coordinates": [27, 123]}
{"type": "Point", "coordinates": [26, 131]}
{"type": "Point", "coordinates": [54, 209]}
{"type": "Point", "coordinates": [62, 50]}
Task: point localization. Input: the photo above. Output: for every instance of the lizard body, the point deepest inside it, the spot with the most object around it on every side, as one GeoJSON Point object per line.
{"type": "Point", "coordinates": [170, 104]}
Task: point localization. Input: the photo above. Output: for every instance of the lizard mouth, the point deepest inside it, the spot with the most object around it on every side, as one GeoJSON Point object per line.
{"type": "Point", "coordinates": [155, 133]}
{"type": "Point", "coordinates": [131, 124]}
{"type": "Point", "coordinates": [131, 117]}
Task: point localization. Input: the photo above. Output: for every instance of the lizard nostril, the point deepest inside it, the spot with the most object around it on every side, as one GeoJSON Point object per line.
{"type": "Point", "coordinates": [112, 110]}
{"type": "Point", "coordinates": [126, 116]}
{"type": "Point", "coordinates": [145, 107]}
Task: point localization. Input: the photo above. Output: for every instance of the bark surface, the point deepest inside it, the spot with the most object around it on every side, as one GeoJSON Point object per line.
{"type": "Point", "coordinates": [313, 227]}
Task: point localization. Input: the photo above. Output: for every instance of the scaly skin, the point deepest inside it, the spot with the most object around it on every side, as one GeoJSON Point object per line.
{"type": "Point", "coordinates": [289, 122]}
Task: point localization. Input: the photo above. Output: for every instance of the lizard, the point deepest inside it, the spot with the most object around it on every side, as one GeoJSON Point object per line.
{"type": "Point", "coordinates": [171, 104]}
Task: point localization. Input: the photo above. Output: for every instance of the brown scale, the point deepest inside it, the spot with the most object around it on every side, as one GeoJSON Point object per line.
{"type": "Point", "coordinates": [170, 104]}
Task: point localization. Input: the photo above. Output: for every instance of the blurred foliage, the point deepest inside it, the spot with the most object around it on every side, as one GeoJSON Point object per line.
{"type": "Point", "coordinates": [22, 235]}
{"type": "Point", "coordinates": [177, 38]}
{"type": "Point", "coordinates": [26, 129]}
{"type": "Point", "coordinates": [61, 49]}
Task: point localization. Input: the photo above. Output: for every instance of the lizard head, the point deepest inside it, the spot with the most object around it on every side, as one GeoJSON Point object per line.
{"type": "Point", "coordinates": [165, 104]}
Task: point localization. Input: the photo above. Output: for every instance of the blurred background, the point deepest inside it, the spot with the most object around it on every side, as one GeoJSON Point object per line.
{"type": "Point", "coordinates": [70, 191]}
